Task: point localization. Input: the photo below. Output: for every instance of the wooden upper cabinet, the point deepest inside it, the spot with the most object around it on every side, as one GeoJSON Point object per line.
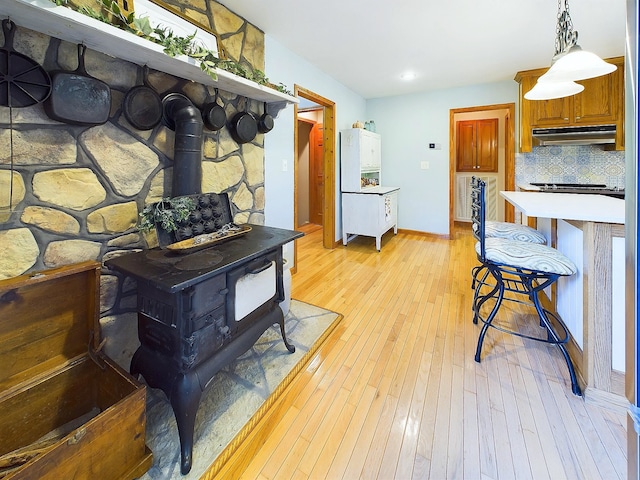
{"type": "Point", "coordinates": [552, 113]}
{"type": "Point", "coordinates": [600, 103]}
{"type": "Point", "coordinates": [477, 145]}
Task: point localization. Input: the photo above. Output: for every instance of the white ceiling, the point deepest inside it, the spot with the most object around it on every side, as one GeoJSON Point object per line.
{"type": "Point", "coordinates": [367, 44]}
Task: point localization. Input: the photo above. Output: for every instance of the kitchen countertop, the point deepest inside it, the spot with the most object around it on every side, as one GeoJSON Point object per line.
{"type": "Point", "coordinates": [379, 190]}
{"type": "Point", "coordinates": [568, 206]}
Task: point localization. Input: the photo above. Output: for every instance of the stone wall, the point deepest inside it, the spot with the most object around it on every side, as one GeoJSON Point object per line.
{"type": "Point", "coordinates": [71, 193]}
{"type": "Point", "coordinates": [238, 39]}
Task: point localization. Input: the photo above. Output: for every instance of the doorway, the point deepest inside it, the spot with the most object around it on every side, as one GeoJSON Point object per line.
{"type": "Point", "coordinates": [321, 175]}
{"type": "Point", "coordinates": [506, 113]}
{"type": "Point", "coordinates": [310, 166]}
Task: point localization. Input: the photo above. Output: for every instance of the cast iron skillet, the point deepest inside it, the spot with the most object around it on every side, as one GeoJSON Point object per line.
{"type": "Point", "coordinates": [243, 126]}
{"type": "Point", "coordinates": [78, 98]}
{"type": "Point", "coordinates": [142, 106]}
{"type": "Point", "coordinates": [23, 82]}
{"type": "Point", "coordinates": [265, 124]}
{"type": "Point", "coordinates": [213, 115]}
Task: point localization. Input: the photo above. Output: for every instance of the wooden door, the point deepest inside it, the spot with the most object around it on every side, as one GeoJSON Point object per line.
{"type": "Point", "coordinates": [465, 148]}
{"type": "Point", "coordinates": [487, 145]}
{"type": "Point", "coordinates": [477, 145]}
{"type": "Point", "coordinates": [316, 174]}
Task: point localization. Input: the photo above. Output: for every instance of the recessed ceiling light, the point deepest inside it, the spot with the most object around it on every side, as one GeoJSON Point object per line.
{"type": "Point", "coordinates": [408, 76]}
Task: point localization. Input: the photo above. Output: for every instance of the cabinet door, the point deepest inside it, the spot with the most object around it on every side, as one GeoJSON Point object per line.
{"type": "Point", "coordinates": [551, 113]}
{"type": "Point", "coordinates": [389, 213]}
{"type": "Point", "coordinates": [370, 156]}
{"type": "Point", "coordinates": [477, 145]}
{"type": "Point", "coordinates": [350, 160]}
{"type": "Point", "coordinates": [465, 146]}
{"type": "Point", "coordinates": [596, 104]}
{"type": "Point", "coordinates": [487, 145]}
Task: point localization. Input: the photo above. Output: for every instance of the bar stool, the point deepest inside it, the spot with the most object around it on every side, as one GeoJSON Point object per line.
{"type": "Point", "coordinates": [519, 267]}
{"type": "Point", "coordinates": [507, 230]}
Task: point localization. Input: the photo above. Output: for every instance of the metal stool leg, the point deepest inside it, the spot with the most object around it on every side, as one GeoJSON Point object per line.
{"type": "Point", "coordinates": [487, 322]}
{"type": "Point", "coordinates": [553, 337]}
{"type": "Point", "coordinates": [479, 300]}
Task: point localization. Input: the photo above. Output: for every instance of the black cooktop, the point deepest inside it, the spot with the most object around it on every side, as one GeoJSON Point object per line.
{"type": "Point", "coordinates": [588, 188]}
{"type": "Point", "coordinates": [171, 272]}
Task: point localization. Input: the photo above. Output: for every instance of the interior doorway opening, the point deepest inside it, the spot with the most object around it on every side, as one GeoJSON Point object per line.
{"type": "Point", "coordinates": [314, 166]}
{"type": "Point", "coordinates": [310, 171]}
{"type": "Point", "coordinates": [505, 171]}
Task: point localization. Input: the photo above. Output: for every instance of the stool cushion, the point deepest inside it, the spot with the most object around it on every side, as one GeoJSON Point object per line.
{"type": "Point", "coordinates": [529, 256]}
{"type": "Point", "coordinates": [513, 231]}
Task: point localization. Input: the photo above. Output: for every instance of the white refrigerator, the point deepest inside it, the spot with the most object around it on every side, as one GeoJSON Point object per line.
{"type": "Point", "coordinates": [368, 208]}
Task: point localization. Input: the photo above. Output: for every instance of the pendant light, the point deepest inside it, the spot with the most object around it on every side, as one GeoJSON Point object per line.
{"type": "Point", "coordinates": [570, 63]}
{"type": "Point", "coordinates": [550, 90]}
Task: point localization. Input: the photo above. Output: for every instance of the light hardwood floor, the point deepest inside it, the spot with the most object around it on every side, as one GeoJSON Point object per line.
{"type": "Point", "coordinates": [394, 393]}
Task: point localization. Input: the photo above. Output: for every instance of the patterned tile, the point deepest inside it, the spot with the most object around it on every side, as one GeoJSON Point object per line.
{"type": "Point", "coordinates": [571, 164]}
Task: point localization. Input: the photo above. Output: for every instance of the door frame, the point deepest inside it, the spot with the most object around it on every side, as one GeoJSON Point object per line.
{"type": "Point", "coordinates": [329, 164]}
{"type": "Point", "coordinates": [509, 154]}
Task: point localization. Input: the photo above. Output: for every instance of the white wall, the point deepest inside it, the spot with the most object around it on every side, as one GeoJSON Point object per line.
{"type": "Point", "coordinates": [408, 124]}
{"type": "Point", "coordinates": [284, 66]}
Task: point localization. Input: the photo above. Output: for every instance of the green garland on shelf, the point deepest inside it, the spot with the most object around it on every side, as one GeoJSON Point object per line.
{"type": "Point", "coordinates": [174, 45]}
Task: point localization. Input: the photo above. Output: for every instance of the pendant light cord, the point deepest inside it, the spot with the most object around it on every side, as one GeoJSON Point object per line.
{"type": "Point", "coordinates": [566, 37]}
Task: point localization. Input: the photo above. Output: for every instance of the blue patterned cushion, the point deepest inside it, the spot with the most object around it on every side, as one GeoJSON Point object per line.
{"type": "Point", "coordinates": [530, 256]}
{"type": "Point", "coordinates": [513, 231]}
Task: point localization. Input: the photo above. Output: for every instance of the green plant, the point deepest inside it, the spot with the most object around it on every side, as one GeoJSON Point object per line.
{"type": "Point", "coordinates": [173, 45]}
{"type": "Point", "coordinates": [166, 213]}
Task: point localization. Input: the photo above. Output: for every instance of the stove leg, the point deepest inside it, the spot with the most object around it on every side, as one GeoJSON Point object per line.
{"type": "Point", "coordinates": [185, 398]}
{"type": "Point", "coordinates": [289, 346]}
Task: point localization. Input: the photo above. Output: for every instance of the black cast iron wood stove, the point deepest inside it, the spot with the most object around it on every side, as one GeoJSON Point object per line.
{"type": "Point", "coordinates": [188, 314]}
{"type": "Point", "coordinates": [199, 311]}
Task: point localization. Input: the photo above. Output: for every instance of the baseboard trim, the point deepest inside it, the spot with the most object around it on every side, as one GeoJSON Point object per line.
{"type": "Point", "coordinates": [608, 400]}
{"type": "Point", "coordinates": [425, 234]}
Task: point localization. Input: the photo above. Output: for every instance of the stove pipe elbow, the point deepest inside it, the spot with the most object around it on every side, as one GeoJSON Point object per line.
{"type": "Point", "coordinates": [183, 117]}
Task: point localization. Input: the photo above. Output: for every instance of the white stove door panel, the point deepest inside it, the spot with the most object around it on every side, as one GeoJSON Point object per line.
{"type": "Point", "coordinates": [254, 289]}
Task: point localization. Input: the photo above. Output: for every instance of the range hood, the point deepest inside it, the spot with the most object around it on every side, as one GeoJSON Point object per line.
{"type": "Point", "coordinates": [583, 135]}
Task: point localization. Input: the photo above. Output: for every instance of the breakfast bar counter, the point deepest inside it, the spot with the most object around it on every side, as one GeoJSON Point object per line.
{"type": "Point", "coordinates": [589, 229]}
{"type": "Point", "coordinates": [568, 206]}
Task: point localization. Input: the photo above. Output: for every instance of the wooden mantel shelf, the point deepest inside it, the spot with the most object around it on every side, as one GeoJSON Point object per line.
{"type": "Point", "coordinates": [66, 24]}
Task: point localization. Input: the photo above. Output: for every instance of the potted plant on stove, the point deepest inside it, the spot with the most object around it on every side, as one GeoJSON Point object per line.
{"type": "Point", "coordinates": [165, 217]}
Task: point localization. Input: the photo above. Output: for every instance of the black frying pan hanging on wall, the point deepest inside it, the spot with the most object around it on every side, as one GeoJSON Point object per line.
{"type": "Point", "coordinates": [142, 106]}
{"type": "Point", "coordinates": [213, 115]}
{"type": "Point", "coordinates": [23, 82]}
{"type": "Point", "coordinates": [243, 126]}
{"type": "Point", "coordinates": [77, 97]}
{"type": "Point", "coordinates": [265, 123]}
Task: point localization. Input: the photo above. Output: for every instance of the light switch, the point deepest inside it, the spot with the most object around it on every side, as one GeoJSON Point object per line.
{"type": "Point", "coordinates": [424, 165]}
{"type": "Point", "coordinates": [285, 165]}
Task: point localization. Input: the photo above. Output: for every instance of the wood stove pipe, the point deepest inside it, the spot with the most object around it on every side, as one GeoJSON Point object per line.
{"type": "Point", "coordinates": [180, 115]}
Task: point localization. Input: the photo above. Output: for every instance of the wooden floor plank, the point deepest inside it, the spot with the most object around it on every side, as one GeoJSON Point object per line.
{"type": "Point", "coordinates": [396, 393]}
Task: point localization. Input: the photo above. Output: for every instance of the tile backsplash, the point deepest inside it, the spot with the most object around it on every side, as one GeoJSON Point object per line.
{"type": "Point", "coordinates": [571, 164]}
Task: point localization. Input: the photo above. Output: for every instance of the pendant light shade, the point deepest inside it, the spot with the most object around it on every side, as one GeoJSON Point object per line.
{"type": "Point", "coordinates": [577, 64]}
{"type": "Point", "coordinates": [551, 90]}
{"type": "Point", "coordinates": [570, 63]}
